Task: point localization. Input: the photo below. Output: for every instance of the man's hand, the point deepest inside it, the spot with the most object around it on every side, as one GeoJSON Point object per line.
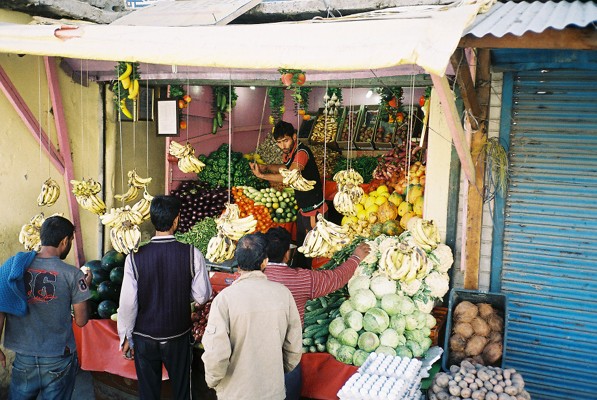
{"type": "Point", "coordinates": [2, 359]}
{"type": "Point", "coordinates": [127, 351]}
{"type": "Point", "coordinates": [256, 169]}
{"type": "Point", "coordinates": [362, 251]}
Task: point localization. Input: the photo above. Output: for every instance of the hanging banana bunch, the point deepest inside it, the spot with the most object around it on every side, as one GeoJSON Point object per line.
{"type": "Point", "coordinates": [135, 183]}
{"type": "Point", "coordinates": [349, 191]}
{"type": "Point", "coordinates": [125, 238]}
{"type": "Point", "coordinates": [85, 192]}
{"type": "Point", "coordinates": [187, 162]}
{"type": "Point", "coordinates": [324, 239]}
{"type": "Point", "coordinates": [230, 225]}
{"type": "Point", "coordinates": [220, 248]}
{"type": "Point", "coordinates": [294, 179]}
{"type": "Point", "coordinates": [143, 205]}
{"type": "Point", "coordinates": [29, 234]}
{"type": "Point", "coordinates": [119, 216]}
{"type": "Point", "coordinates": [50, 191]}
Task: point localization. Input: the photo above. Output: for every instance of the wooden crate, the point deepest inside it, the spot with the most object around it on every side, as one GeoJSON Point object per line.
{"type": "Point", "coordinates": [366, 128]}
{"type": "Point", "coordinates": [353, 113]}
{"type": "Point", "coordinates": [437, 332]}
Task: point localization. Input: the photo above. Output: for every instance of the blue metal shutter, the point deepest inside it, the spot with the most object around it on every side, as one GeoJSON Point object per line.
{"type": "Point", "coordinates": [549, 257]}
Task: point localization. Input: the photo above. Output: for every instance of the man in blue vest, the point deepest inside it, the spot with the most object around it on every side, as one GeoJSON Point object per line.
{"type": "Point", "coordinates": [296, 156]}
{"type": "Point", "coordinates": [154, 317]}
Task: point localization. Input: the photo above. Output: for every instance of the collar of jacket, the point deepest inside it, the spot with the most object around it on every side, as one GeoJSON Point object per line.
{"type": "Point", "coordinates": [251, 275]}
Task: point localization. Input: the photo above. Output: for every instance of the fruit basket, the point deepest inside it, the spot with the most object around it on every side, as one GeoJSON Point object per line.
{"type": "Point", "coordinates": [366, 128]}
{"type": "Point", "coordinates": [349, 122]}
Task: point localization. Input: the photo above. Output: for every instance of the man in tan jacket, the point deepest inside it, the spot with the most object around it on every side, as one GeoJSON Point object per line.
{"type": "Point", "coordinates": [253, 334]}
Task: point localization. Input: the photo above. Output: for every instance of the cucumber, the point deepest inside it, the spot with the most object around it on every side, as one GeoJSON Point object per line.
{"type": "Point", "coordinates": [222, 102]}
{"type": "Point", "coordinates": [305, 349]}
{"type": "Point", "coordinates": [312, 349]}
{"type": "Point", "coordinates": [324, 321]}
{"type": "Point", "coordinates": [323, 301]}
{"type": "Point", "coordinates": [320, 340]}
{"type": "Point", "coordinates": [307, 341]}
{"type": "Point", "coordinates": [311, 330]}
{"type": "Point", "coordinates": [320, 347]}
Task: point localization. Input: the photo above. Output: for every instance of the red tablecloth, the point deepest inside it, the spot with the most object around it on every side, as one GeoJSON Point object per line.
{"type": "Point", "coordinates": [98, 348]}
{"type": "Point", "coordinates": [97, 345]}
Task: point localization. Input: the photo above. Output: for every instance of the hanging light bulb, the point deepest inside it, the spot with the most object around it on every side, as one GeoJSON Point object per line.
{"type": "Point", "coordinates": [369, 93]}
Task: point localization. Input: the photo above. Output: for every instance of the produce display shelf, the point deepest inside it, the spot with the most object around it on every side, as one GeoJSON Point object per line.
{"type": "Point", "coordinates": [498, 301]}
{"type": "Point", "coordinates": [305, 127]}
{"type": "Point", "coordinates": [332, 143]}
{"type": "Point", "coordinates": [355, 113]}
{"type": "Point", "coordinates": [383, 137]}
{"type": "Point", "coordinates": [366, 128]}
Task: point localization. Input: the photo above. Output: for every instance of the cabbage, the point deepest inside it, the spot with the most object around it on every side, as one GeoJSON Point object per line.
{"type": "Point", "coordinates": [390, 303]}
{"type": "Point", "coordinates": [346, 307]}
{"type": "Point", "coordinates": [415, 348]}
{"type": "Point", "coordinates": [381, 285]}
{"type": "Point", "coordinates": [344, 354]}
{"type": "Point", "coordinates": [348, 337]}
{"type": "Point", "coordinates": [363, 300]}
{"type": "Point", "coordinates": [426, 331]}
{"type": "Point", "coordinates": [332, 345]}
{"type": "Point", "coordinates": [354, 320]}
{"type": "Point", "coordinates": [389, 338]}
{"type": "Point", "coordinates": [336, 327]}
{"type": "Point", "coordinates": [386, 350]}
{"type": "Point", "coordinates": [404, 351]}
{"type": "Point", "coordinates": [411, 322]}
{"type": "Point", "coordinates": [359, 357]}
{"type": "Point", "coordinates": [401, 340]}
{"type": "Point", "coordinates": [421, 319]}
{"type": "Point", "coordinates": [407, 306]}
{"type": "Point", "coordinates": [357, 282]}
{"type": "Point", "coordinates": [398, 323]}
{"type": "Point", "coordinates": [416, 335]}
{"type": "Point", "coordinates": [425, 344]}
{"type": "Point", "coordinates": [368, 341]}
{"type": "Point", "coordinates": [431, 321]}
{"type": "Point", "coordinates": [376, 320]}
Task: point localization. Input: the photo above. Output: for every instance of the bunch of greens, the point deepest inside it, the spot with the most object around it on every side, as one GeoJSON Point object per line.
{"type": "Point", "coordinates": [200, 234]}
{"type": "Point", "coordinates": [364, 165]}
{"type": "Point", "coordinates": [215, 172]}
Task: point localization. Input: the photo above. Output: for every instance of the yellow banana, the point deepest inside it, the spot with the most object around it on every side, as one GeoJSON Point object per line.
{"type": "Point", "coordinates": [127, 72]}
{"type": "Point", "coordinates": [124, 109]}
{"type": "Point", "coordinates": [134, 90]}
{"type": "Point", "coordinates": [126, 82]}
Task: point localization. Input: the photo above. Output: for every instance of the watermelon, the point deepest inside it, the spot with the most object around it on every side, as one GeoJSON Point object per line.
{"type": "Point", "coordinates": [93, 309]}
{"type": "Point", "coordinates": [106, 308]}
{"type": "Point", "coordinates": [116, 275]}
{"type": "Point", "coordinates": [108, 290]}
{"type": "Point", "coordinates": [93, 265]}
{"type": "Point", "coordinates": [94, 294]}
{"type": "Point", "coordinates": [112, 259]}
{"type": "Point", "coordinates": [98, 275]}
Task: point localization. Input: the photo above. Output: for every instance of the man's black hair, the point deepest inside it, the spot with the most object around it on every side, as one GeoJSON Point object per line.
{"type": "Point", "coordinates": [163, 211]}
{"type": "Point", "coordinates": [282, 129]}
{"type": "Point", "coordinates": [250, 251]}
{"type": "Point", "coordinates": [54, 230]}
{"type": "Point", "coordinates": [278, 243]}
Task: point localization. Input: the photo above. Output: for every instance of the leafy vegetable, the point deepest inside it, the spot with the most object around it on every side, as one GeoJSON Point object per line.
{"type": "Point", "coordinates": [376, 320]}
{"type": "Point", "coordinates": [368, 341]}
{"type": "Point", "coordinates": [356, 283]}
{"type": "Point", "coordinates": [363, 300]}
{"type": "Point", "coordinates": [348, 337]}
{"type": "Point", "coordinates": [345, 354]}
{"type": "Point", "coordinates": [200, 234]}
{"type": "Point", "coordinates": [364, 165]}
{"type": "Point", "coordinates": [354, 320]}
{"type": "Point", "coordinates": [359, 357]}
{"type": "Point", "coordinates": [382, 285]}
{"type": "Point", "coordinates": [336, 327]}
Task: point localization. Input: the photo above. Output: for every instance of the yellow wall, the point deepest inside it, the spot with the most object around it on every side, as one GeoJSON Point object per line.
{"type": "Point", "coordinates": [25, 167]}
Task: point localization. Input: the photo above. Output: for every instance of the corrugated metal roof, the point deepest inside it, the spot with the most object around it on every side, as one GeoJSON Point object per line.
{"type": "Point", "coordinates": [518, 18]}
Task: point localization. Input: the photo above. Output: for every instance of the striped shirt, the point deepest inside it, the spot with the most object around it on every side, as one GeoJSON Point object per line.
{"type": "Point", "coordinates": [305, 284]}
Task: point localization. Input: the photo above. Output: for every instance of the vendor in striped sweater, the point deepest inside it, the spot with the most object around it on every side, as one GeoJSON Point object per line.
{"type": "Point", "coordinates": [305, 284]}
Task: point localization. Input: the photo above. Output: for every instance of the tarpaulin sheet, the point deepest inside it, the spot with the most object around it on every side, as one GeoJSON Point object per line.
{"type": "Point", "coordinates": [323, 375]}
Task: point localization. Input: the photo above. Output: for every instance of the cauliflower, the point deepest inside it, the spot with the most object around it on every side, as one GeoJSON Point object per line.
{"type": "Point", "coordinates": [442, 256]}
{"type": "Point", "coordinates": [387, 242]}
{"type": "Point", "coordinates": [373, 255]}
{"type": "Point", "coordinates": [438, 284]}
{"type": "Point", "coordinates": [424, 304]}
{"type": "Point", "coordinates": [411, 288]}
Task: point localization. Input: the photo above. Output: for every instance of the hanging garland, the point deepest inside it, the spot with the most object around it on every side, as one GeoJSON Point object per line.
{"type": "Point", "coordinates": [390, 102]}
{"type": "Point", "coordinates": [276, 104]}
{"type": "Point", "coordinates": [222, 103]}
{"type": "Point", "coordinates": [126, 87]}
{"type": "Point", "coordinates": [177, 92]}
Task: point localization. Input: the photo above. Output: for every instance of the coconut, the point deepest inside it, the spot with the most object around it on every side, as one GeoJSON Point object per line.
{"type": "Point", "coordinates": [475, 345]}
{"type": "Point", "coordinates": [465, 311]}
{"type": "Point", "coordinates": [464, 329]}
{"type": "Point", "coordinates": [480, 327]}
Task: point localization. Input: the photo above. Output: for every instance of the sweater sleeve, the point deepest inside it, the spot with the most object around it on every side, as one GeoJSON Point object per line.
{"type": "Point", "coordinates": [325, 282]}
{"type": "Point", "coordinates": [216, 342]}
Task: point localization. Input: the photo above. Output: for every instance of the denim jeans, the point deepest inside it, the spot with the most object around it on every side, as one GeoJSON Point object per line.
{"type": "Point", "coordinates": [49, 377]}
{"type": "Point", "coordinates": [293, 383]}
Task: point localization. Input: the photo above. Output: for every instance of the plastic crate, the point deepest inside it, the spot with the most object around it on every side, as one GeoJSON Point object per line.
{"type": "Point", "coordinates": [366, 128]}
{"type": "Point", "coordinates": [350, 121]}
{"type": "Point", "coordinates": [499, 301]}
{"type": "Point", "coordinates": [383, 137]}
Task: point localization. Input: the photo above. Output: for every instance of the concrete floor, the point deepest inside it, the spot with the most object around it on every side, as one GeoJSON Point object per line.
{"type": "Point", "coordinates": [84, 386]}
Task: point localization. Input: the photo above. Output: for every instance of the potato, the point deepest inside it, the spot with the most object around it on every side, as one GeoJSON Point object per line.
{"type": "Point", "coordinates": [485, 310]}
{"type": "Point", "coordinates": [475, 345]}
{"type": "Point", "coordinates": [465, 311]}
{"type": "Point", "coordinates": [496, 323]}
{"type": "Point", "coordinates": [456, 357]}
{"type": "Point", "coordinates": [457, 343]}
{"type": "Point", "coordinates": [496, 337]}
{"type": "Point", "coordinates": [464, 329]}
{"type": "Point", "coordinates": [480, 327]}
{"type": "Point", "coordinates": [492, 353]}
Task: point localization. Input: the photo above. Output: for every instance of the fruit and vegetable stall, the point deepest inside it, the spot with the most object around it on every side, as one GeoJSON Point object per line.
{"type": "Point", "coordinates": [392, 307]}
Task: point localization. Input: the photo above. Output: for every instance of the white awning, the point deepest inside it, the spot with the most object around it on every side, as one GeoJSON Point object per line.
{"type": "Point", "coordinates": [424, 37]}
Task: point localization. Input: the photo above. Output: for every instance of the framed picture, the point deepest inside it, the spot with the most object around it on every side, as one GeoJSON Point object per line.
{"type": "Point", "coordinates": [142, 109]}
{"type": "Point", "coordinates": [167, 117]}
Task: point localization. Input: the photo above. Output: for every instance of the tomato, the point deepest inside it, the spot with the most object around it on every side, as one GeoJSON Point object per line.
{"type": "Point", "coordinates": [181, 103]}
{"type": "Point", "coordinates": [286, 79]}
{"type": "Point", "coordinates": [393, 103]}
{"type": "Point", "coordinates": [301, 112]}
{"type": "Point", "coordinates": [183, 125]}
{"type": "Point", "coordinates": [399, 117]}
{"type": "Point", "coordinates": [186, 98]}
{"type": "Point", "coordinates": [422, 100]}
{"type": "Point", "coordinates": [300, 79]}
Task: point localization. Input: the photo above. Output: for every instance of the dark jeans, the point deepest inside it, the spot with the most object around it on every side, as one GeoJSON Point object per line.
{"type": "Point", "coordinates": [303, 225]}
{"type": "Point", "coordinates": [52, 378]}
{"type": "Point", "coordinates": [176, 356]}
{"type": "Point", "coordinates": [293, 382]}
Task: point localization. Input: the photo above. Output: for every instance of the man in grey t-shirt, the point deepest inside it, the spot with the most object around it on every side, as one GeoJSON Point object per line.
{"type": "Point", "coordinates": [46, 360]}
